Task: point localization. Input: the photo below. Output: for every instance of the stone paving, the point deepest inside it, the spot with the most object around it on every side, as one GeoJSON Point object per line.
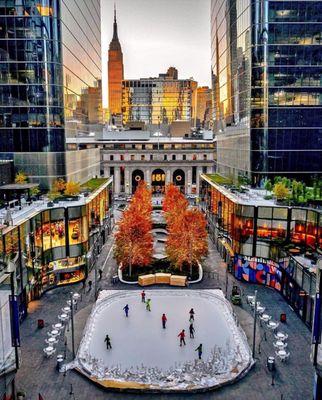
{"type": "Point", "coordinates": [292, 381]}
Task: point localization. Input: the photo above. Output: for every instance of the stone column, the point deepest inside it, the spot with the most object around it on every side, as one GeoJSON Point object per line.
{"type": "Point", "coordinates": [117, 180]}
{"type": "Point", "coordinates": [168, 177]}
{"type": "Point", "coordinates": [188, 173]}
{"type": "Point", "coordinates": [199, 171]}
{"type": "Point", "coordinates": [147, 177]}
{"type": "Point", "coordinates": [127, 181]}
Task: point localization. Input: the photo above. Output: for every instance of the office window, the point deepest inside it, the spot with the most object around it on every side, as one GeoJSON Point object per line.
{"type": "Point", "coordinates": [142, 157]}
{"type": "Point", "coordinates": [165, 157]}
{"type": "Point", "coordinates": [173, 157]}
{"type": "Point", "coordinates": [151, 157]}
{"type": "Point", "coordinates": [184, 157]}
{"type": "Point", "coordinates": [121, 157]}
{"type": "Point", "coordinates": [111, 158]}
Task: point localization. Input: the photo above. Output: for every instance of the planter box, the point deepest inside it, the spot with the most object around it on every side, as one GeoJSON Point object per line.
{"type": "Point", "coordinates": [146, 280]}
{"type": "Point", "coordinates": [178, 280]}
{"type": "Point", "coordinates": [162, 278]}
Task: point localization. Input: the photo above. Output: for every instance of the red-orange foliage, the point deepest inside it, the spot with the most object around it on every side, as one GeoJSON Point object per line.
{"type": "Point", "coordinates": [174, 203]}
{"type": "Point", "coordinates": [133, 239]}
{"type": "Point", "coordinates": [187, 240]}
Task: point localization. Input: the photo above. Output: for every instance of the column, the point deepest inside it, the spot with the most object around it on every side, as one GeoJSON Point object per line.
{"type": "Point", "coordinates": [127, 181]}
{"type": "Point", "coordinates": [168, 178]}
{"type": "Point", "coordinates": [147, 177]}
{"type": "Point", "coordinates": [188, 173]}
{"type": "Point", "coordinates": [199, 171]}
{"type": "Point", "coordinates": [117, 180]}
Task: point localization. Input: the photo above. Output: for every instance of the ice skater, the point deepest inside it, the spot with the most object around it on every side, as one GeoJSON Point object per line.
{"type": "Point", "coordinates": [108, 342]}
{"type": "Point", "coordinates": [192, 316]}
{"type": "Point", "coordinates": [199, 349]}
{"type": "Point", "coordinates": [191, 331]}
{"type": "Point", "coordinates": [148, 305]}
{"type": "Point", "coordinates": [126, 310]}
{"type": "Point", "coordinates": [182, 335]}
{"type": "Point", "coordinates": [164, 321]}
{"type": "Point", "coordinates": [143, 296]}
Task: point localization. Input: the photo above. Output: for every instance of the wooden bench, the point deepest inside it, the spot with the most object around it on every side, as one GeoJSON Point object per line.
{"type": "Point", "coordinates": [162, 278]}
{"type": "Point", "coordinates": [146, 280]}
{"type": "Point", "coordinates": [178, 280]}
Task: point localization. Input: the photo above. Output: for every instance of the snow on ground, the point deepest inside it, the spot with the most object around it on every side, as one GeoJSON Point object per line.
{"type": "Point", "coordinates": [144, 352]}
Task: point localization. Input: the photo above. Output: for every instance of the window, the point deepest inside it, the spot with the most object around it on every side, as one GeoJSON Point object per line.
{"type": "Point", "coordinates": [111, 157]}
{"type": "Point", "coordinates": [173, 157]}
{"type": "Point", "coordinates": [121, 157]}
{"type": "Point", "coordinates": [165, 157]}
{"type": "Point", "coordinates": [132, 157]}
{"type": "Point", "coordinates": [142, 157]}
{"type": "Point", "coordinates": [151, 157]}
{"type": "Point", "coordinates": [133, 146]}
{"type": "Point", "coordinates": [204, 169]}
{"type": "Point", "coordinates": [184, 157]}
{"type": "Point", "coordinates": [194, 157]}
{"type": "Point", "coordinates": [143, 146]}
{"type": "Point", "coordinates": [205, 157]}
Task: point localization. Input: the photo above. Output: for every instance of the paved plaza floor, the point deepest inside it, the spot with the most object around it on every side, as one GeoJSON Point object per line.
{"type": "Point", "coordinates": [293, 380]}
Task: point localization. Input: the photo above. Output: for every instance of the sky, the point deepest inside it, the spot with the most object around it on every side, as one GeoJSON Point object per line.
{"type": "Point", "coordinates": [157, 34]}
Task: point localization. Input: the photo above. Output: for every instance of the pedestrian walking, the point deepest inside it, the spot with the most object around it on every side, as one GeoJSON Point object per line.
{"type": "Point", "coordinates": [108, 342]}
{"type": "Point", "coordinates": [143, 296]}
{"type": "Point", "coordinates": [148, 305]}
{"type": "Point", "coordinates": [192, 331]}
{"type": "Point", "coordinates": [199, 349]}
{"type": "Point", "coordinates": [192, 315]}
{"type": "Point", "coordinates": [84, 285]}
{"type": "Point", "coordinates": [182, 335]}
{"type": "Point", "coordinates": [100, 273]}
{"type": "Point", "coordinates": [164, 321]}
{"type": "Point", "coordinates": [126, 310]}
{"type": "Point", "coordinates": [90, 285]}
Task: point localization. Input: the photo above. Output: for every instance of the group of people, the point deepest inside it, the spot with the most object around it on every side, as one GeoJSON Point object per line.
{"type": "Point", "coordinates": [164, 320]}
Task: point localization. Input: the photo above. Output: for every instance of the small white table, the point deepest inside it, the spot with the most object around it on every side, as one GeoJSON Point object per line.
{"type": "Point", "coordinates": [76, 296]}
{"type": "Point", "coordinates": [54, 332]}
{"type": "Point", "coordinates": [51, 340]}
{"type": "Point", "coordinates": [49, 349]}
{"type": "Point", "coordinates": [265, 317]}
{"type": "Point", "coordinates": [281, 353]}
{"type": "Point", "coordinates": [58, 326]}
{"type": "Point", "coordinates": [281, 335]}
{"type": "Point", "coordinates": [66, 310]}
{"type": "Point", "coordinates": [280, 344]}
{"type": "Point", "coordinates": [260, 309]}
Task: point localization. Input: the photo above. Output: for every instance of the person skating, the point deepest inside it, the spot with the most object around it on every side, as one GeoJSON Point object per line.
{"type": "Point", "coordinates": [182, 335]}
{"type": "Point", "coordinates": [192, 316]}
{"type": "Point", "coordinates": [143, 296]}
{"type": "Point", "coordinates": [164, 321]}
{"type": "Point", "coordinates": [148, 305]}
{"type": "Point", "coordinates": [108, 342]}
{"type": "Point", "coordinates": [199, 349]}
{"type": "Point", "coordinates": [126, 310]}
{"type": "Point", "coordinates": [192, 331]}
{"type": "Point", "coordinates": [100, 273]}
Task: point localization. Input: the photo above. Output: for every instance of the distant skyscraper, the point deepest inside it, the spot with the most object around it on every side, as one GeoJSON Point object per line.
{"type": "Point", "coordinates": [115, 72]}
{"type": "Point", "coordinates": [160, 100]}
{"type": "Point", "coordinates": [266, 70]}
{"type": "Point", "coordinates": [203, 107]}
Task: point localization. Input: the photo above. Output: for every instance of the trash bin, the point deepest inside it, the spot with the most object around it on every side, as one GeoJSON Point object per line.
{"type": "Point", "coordinates": [283, 317]}
{"type": "Point", "coordinates": [271, 363]}
{"type": "Point", "coordinates": [60, 360]}
{"type": "Point", "coordinates": [40, 323]}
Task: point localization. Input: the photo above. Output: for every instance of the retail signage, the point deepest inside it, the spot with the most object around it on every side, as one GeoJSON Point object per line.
{"type": "Point", "coordinates": [14, 317]}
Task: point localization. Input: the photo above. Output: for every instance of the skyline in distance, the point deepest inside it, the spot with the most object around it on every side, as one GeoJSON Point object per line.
{"type": "Point", "coordinates": [155, 37]}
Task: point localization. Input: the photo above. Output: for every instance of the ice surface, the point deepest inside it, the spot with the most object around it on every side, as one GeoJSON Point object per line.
{"type": "Point", "coordinates": [144, 352]}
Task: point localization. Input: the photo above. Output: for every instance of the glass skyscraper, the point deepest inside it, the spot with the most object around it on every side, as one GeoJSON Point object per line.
{"type": "Point", "coordinates": [50, 53]}
{"type": "Point", "coordinates": [159, 100]}
{"type": "Point", "coordinates": [267, 87]}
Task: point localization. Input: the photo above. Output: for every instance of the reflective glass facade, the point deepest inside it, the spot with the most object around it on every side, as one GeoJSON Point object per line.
{"type": "Point", "coordinates": [266, 72]}
{"type": "Point", "coordinates": [49, 56]}
{"type": "Point", "coordinates": [158, 100]}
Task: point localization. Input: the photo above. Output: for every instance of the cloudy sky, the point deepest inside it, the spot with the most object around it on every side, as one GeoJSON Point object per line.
{"type": "Point", "coordinates": [156, 34]}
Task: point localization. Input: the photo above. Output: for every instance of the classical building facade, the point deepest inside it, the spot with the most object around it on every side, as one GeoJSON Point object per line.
{"type": "Point", "coordinates": [160, 100]}
{"type": "Point", "coordinates": [131, 156]}
{"type": "Point", "coordinates": [115, 72]}
{"type": "Point", "coordinates": [266, 69]}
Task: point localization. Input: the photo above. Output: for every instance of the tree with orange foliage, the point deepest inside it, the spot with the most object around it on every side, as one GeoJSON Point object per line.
{"type": "Point", "coordinates": [174, 203]}
{"type": "Point", "coordinates": [187, 240]}
{"type": "Point", "coordinates": [133, 239]}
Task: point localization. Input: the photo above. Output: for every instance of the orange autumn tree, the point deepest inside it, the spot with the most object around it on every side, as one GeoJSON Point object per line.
{"type": "Point", "coordinates": [133, 239]}
{"type": "Point", "coordinates": [174, 203]}
{"type": "Point", "coordinates": [187, 240]}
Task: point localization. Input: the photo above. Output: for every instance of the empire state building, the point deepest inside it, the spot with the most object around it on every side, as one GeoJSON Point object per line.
{"type": "Point", "coordinates": [115, 72]}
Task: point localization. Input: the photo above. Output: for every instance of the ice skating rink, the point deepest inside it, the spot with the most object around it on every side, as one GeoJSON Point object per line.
{"type": "Point", "coordinates": [140, 338]}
